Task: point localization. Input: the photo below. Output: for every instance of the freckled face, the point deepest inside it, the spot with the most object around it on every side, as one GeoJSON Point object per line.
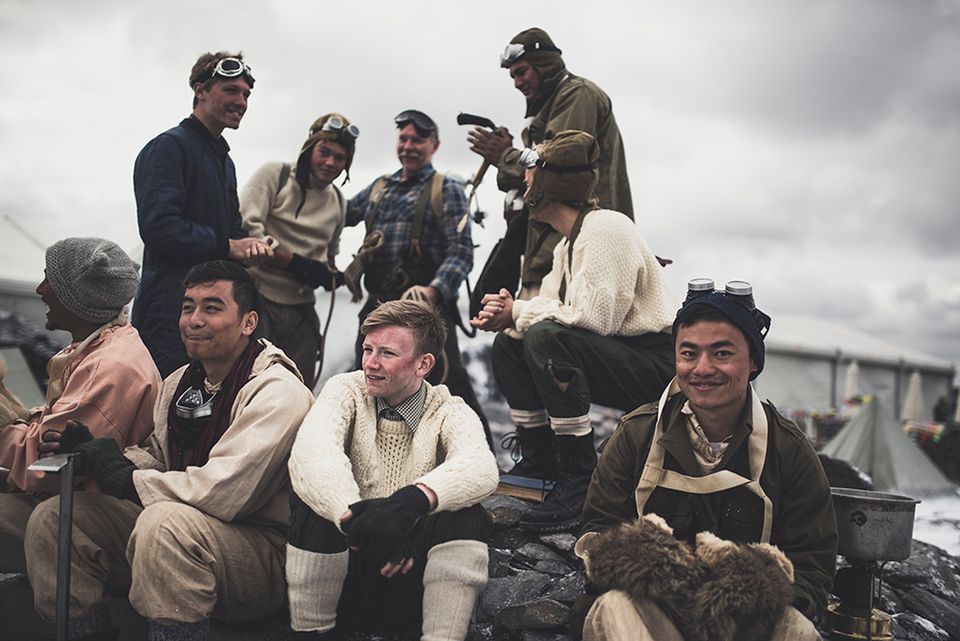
{"type": "Point", "coordinates": [392, 365]}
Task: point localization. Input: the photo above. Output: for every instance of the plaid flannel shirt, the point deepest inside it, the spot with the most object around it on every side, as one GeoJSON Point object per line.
{"type": "Point", "coordinates": [452, 251]}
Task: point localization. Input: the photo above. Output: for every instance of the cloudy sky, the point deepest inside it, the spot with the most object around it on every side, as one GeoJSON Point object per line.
{"type": "Point", "coordinates": [811, 147]}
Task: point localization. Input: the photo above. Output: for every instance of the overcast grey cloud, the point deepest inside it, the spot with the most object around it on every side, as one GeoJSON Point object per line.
{"type": "Point", "coordinates": [809, 146]}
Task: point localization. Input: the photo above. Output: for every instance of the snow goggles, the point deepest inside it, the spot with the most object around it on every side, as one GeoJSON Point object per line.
{"type": "Point", "coordinates": [516, 50]}
{"type": "Point", "coordinates": [739, 291]}
{"type": "Point", "coordinates": [231, 68]}
{"type": "Point", "coordinates": [424, 124]}
{"type": "Point", "coordinates": [336, 125]}
{"type": "Point", "coordinates": [530, 158]}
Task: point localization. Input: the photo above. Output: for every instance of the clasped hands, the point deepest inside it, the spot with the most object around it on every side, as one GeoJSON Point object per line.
{"type": "Point", "coordinates": [497, 312]}
{"type": "Point", "coordinates": [380, 529]}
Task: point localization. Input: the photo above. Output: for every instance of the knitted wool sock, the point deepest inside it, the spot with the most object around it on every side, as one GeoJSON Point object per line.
{"type": "Point", "coordinates": [314, 583]}
{"type": "Point", "coordinates": [571, 426]}
{"type": "Point", "coordinates": [455, 574]}
{"type": "Point", "coordinates": [198, 631]}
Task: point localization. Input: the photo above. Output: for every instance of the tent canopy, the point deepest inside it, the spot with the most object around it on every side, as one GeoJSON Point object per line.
{"type": "Point", "coordinates": [875, 442]}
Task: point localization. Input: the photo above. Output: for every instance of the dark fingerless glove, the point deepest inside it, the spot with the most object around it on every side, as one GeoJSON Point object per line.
{"type": "Point", "coordinates": [72, 436]}
{"type": "Point", "coordinates": [103, 460]}
{"type": "Point", "coordinates": [314, 272]}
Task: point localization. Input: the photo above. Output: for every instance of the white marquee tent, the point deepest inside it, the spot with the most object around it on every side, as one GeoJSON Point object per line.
{"type": "Point", "coordinates": [808, 360]}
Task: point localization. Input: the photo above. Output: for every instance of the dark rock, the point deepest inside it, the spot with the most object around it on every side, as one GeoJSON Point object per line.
{"type": "Point", "coordinates": [505, 510]}
{"type": "Point", "coordinates": [508, 591]}
{"type": "Point", "coordinates": [935, 609]}
{"type": "Point", "coordinates": [843, 474]}
{"type": "Point", "coordinates": [928, 567]}
{"type": "Point", "coordinates": [567, 589]}
{"type": "Point", "coordinates": [538, 552]}
{"type": "Point", "coordinates": [910, 627]}
{"type": "Point", "coordinates": [562, 542]}
{"type": "Point", "coordinates": [500, 560]}
{"type": "Point", "coordinates": [553, 568]}
{"type": "Point", "coordinates": [533, 615]}
{"type": "Point", "coordinates": [510, 538]}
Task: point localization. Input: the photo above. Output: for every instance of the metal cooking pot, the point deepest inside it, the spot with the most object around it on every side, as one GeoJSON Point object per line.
{"type": "Point", "coordinates": [873, 526]}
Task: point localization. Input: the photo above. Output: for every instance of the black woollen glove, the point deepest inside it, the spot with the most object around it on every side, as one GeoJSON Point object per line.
{"type": "Point", "coordinates": [314, 272]}
{"type": "Point", "coordinates": [380, 528]}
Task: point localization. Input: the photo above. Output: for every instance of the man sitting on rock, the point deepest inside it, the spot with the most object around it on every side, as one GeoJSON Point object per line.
{"type": "Point", "coordinates": [192, 520]}
{"type": "Point", "coordinates": [388, 471]}
{"type": "Point", "coordinates": [598, 331]}
{"type": "Point", "coordinates": [710, 457]}
{"type": "Point", "coordinates": [104, 378]}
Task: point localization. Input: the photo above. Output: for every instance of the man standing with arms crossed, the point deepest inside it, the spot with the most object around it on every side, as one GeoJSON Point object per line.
{"type": "Point", "coordinates": [187, 209]}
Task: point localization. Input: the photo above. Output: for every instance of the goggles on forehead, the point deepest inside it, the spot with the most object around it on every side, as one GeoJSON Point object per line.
{"type": "Point", "coordinates": [231, 68]}
{"type": "Point", "coordinates": [335, 124]}
{"type": "Point", "coordinates": [739, 291]}
{"type": "Point", "coordinates": [419, 119]}
{"type": "Point", "coordinates": [194, 403]}
{"type": "Point", "coordinates": [516, 50]}
{"type": "Point", "coordinates": [530, 158]}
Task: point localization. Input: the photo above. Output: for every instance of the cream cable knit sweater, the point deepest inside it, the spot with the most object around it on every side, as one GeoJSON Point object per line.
{"type": "Point", "coordinates": [339, 456]}
{"type": "Point", "coordinates": [616, 286]}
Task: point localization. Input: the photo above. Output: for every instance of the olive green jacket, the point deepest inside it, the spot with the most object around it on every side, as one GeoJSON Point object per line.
{"type": "Point", "coordinates": [804, 525]}
{"type": "Point", "coordinates": [578, 104]}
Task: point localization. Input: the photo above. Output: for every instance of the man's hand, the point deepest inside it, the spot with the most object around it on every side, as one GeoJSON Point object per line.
{"type": "Point", "coordinates": [380, 528]}
{"type": "Point", "coordinates": [103, 460]}
{"type": "Point", "coordinates": [422, 293]}
{"type": "Point", "coordinates": [314, 272]}
{"type": "Point", "coordinates": [489, 144]}
{"type": "Point", "coordinates": [54, 441]}
{"type": "Point", "coordinates": [250, 251]}
{"type": "Point", "coordinates": [496, 314]}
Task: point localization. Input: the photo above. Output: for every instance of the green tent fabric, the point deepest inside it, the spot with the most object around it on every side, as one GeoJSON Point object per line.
{"type": "Point", "coordinates": [874, 441]}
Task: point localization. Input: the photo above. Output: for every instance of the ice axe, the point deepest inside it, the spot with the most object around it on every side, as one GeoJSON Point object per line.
{"type": "Point", "coordinates": [65, 465]}
{"type": "Point", "coordinates": [479, 121]}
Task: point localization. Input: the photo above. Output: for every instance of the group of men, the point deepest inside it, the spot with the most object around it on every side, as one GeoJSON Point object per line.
{"type": "Point", "coordinates": [375, 521]}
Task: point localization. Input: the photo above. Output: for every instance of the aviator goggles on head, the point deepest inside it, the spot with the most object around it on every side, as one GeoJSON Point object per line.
{"type": "Point", "coordinates": [739, 291]}
{"type": "Point", "coordinates": [516, 50]}
{"type": "Point", "coordinates": [231, 68]}
{"type": "Point", "coordinates": [194, 403]}
{"type": "Point", "coordinates": [530, 158]}
{"type": "Point", "coordinates": [424, 124]}
{"type": "Point", "coordinates": [336, 125]}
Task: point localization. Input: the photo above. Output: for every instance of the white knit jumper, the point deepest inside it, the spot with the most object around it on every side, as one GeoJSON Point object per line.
{"type": "Point", "coordinates": [343, 454]}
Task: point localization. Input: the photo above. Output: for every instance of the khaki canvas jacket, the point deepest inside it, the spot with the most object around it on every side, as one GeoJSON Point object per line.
{"type": "Point", "coordinates": [245, 479]}
{"type": "Point", "coordinates": [578, 104]}
{"type": "Point", "coordinates": [804, 525]}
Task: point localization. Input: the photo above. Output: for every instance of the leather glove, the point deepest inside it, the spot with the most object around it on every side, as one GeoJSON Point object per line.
{"type": "Point", "coordinates": [103, 460]}
{"type": "Point", "coordinates": [380, 528]}
{"type": "Point", "coordinates": [314, 272]}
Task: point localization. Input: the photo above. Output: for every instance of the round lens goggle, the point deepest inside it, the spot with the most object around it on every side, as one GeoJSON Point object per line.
{"type": "Point", "coordinates": [738, 290]}
{"type": "Point", "coordinates": [335, 124]}
{"type": "Point", "coordinates": [420, 120]}
{"type": "Point", "coordinates": [231, 68]}
{"type": "Point", "coordinates": [515, 50]}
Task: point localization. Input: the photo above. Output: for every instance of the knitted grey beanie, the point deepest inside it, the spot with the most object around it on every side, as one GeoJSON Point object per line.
{"type": "Point", "coordinates": [92, 277]}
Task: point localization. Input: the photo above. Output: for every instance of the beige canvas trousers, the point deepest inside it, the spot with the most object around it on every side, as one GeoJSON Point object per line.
{"type": "Point", "coordinates": [615, 617]}
{"type": "Point", "coordinates": [180, 564]}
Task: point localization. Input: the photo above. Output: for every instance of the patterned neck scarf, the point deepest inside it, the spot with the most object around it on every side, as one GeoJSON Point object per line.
{"type": "Point", "coordinates": [191, 439]}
